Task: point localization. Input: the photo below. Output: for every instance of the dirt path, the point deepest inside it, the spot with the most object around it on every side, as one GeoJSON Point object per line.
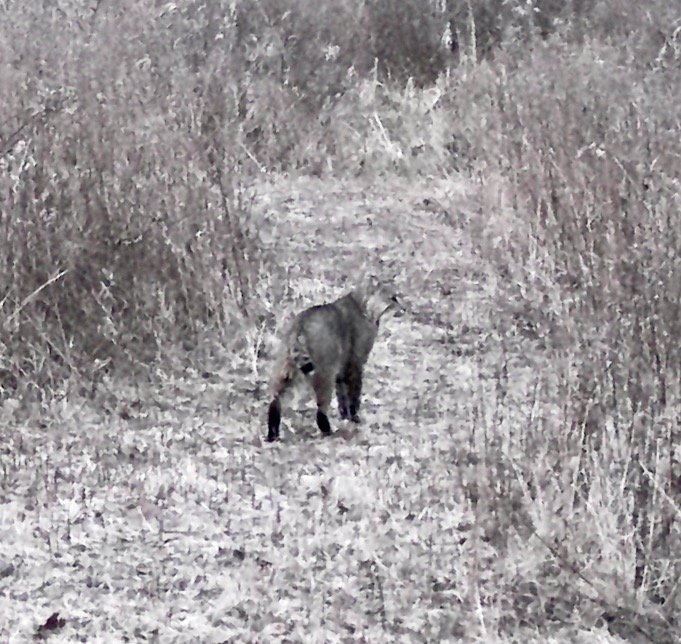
{"type": "Point", "coordinates": [170, 520]}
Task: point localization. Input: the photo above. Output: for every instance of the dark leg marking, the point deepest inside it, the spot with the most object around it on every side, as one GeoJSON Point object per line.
{"type": "Point", "coordinates": [354, 414]}
{"type": "Point", "coordinates": [323, 423]}
{"type": "Point", "coordinates": [273, 420]}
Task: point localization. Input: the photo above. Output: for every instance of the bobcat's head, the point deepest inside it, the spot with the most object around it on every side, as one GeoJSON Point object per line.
{"type": "Point", "coordinates": [378, 299]}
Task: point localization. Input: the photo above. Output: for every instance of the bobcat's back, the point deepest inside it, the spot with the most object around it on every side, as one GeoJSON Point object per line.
{"type": "Point", "coordinates": [319, 338]}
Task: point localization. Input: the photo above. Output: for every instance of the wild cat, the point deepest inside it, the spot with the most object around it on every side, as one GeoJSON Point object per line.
{"type": "Point", "coordinates": [328, 345]}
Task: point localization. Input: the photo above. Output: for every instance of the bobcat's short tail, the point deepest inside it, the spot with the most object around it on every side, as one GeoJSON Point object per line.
{"type": "Point", "coordinates": [301, 356]}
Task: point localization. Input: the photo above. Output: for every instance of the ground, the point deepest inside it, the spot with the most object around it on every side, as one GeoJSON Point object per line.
{"type": "Point", "coordinates": [165, 517]}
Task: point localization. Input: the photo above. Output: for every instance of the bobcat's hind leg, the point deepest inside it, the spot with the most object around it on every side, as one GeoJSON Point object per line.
{"type": "Point", "coordinates": [323, 388]}
{"type": "Point", "coordinates": [280, 385]}
{"type": "Point", "coordinates": [273, 420]}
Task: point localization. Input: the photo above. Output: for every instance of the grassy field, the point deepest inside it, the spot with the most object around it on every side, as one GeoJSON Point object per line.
{"type": "Point", "coordinates": [177, 181]}
{"type": "Point", "coordinates": [163, 516]}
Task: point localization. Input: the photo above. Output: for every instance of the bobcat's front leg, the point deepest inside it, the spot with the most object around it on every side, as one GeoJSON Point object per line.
{"type": "Point", "coordinates": [342, 396]}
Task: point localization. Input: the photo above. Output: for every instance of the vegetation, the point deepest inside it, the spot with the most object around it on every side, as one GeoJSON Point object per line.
{"type": "Point", "coordinates": [176, 178]}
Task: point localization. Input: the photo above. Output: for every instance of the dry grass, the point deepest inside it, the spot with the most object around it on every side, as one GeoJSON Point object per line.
{"type": "Point", "coordinates": [518, 475]}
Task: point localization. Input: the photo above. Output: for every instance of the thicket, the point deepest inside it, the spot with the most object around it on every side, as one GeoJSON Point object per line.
{"type": "Point", "coordinates": [575, 144]}
{"type": "Point", "coordinates": [579, 215]}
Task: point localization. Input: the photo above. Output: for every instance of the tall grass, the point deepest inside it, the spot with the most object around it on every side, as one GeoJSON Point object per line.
{"type": "Point", "coordinates": [124, 222]}
{"type": "Point", "coordinates": [578, 167]}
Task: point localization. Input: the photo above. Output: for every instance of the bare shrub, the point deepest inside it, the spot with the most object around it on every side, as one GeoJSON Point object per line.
{"type": "Point", "coordinates": [124, 226]}
{"type": "Point", "coordinates": [584, 151]}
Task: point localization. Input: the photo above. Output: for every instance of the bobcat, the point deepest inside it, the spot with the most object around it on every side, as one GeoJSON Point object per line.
{"type": "Point", "coordinates": [329, 345]}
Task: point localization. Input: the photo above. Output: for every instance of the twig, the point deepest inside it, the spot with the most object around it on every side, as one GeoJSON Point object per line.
{"type": "Point", "coordinates": [32, 296]}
